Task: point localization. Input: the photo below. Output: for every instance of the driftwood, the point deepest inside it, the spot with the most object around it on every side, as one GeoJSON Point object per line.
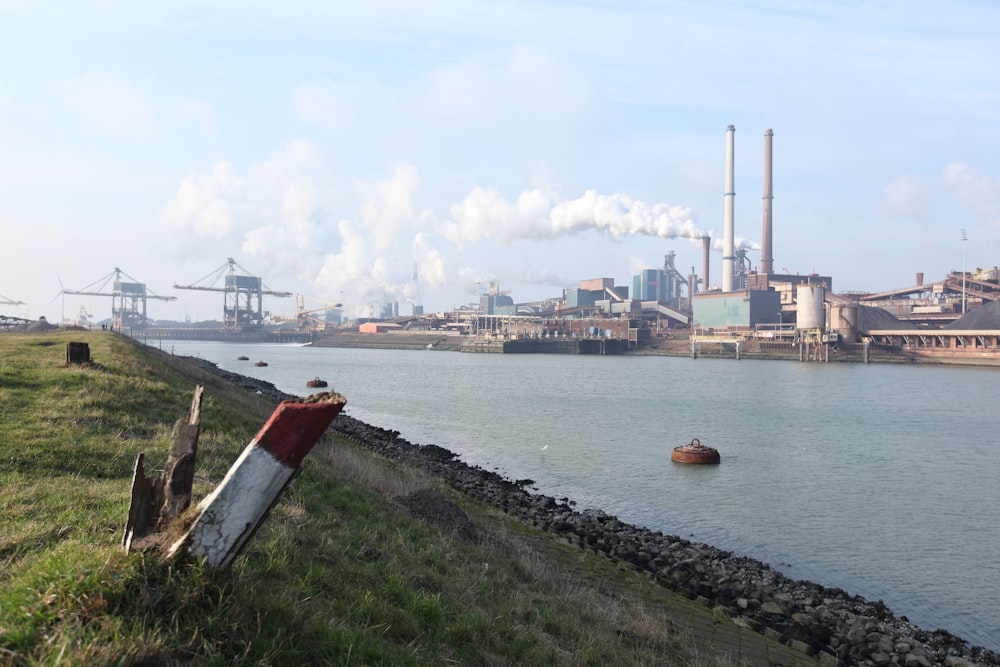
{"type": "Point", "coordinates": [156, 503]}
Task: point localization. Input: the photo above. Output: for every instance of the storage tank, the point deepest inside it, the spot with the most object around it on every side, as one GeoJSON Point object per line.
{"type": "Point", "coordinates": [810, 310]}
{"type": "Point", "coordinates": [844, 320]}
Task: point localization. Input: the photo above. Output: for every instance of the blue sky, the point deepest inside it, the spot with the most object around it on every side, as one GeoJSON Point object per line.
{"type": "Point", "coordinates": [336, 149]}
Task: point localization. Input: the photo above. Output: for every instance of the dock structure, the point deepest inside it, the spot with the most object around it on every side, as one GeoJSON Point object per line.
{"type": "Point", "coordinates": [227, 335]}
{"type": "Point", "coordinates": [532, 333]}
{"type": "Point", "coordinates": [974, 346]}
{"type": "Point", "coordinates": [593, 345]}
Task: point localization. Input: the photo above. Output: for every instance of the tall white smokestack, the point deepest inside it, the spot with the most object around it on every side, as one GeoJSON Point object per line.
{"type": "Point", "coordinates": [706, 246]}
{"type": "Point", "coordinates": [766, 256]}
{"type": "Point", "coordinates": [728, 250]}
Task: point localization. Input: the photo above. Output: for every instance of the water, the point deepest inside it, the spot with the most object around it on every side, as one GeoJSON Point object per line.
{"type": "Point", "coordinates": [883, 480]}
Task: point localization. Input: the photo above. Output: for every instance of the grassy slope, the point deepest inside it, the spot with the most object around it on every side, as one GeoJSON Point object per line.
{"type": "Point", "coordinates": [337, 575]}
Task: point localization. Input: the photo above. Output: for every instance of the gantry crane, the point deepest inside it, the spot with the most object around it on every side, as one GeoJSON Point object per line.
{"type": "Point", "coordinates": [128, 299]}
{"type": "Point", "coordinates": [243, 302]}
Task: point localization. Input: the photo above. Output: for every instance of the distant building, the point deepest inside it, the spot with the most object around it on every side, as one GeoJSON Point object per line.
{"type": "Point", "coordinates": [378, 327]}
{"type": "Point", "coordinates": [497, 304]}
{"type": "Point", "coordinates": [736, 310]}
{"type": "Point", "coordinates": [664, 286]}
{"type": "Point", "coordinates": [593, 293]}
{"type": "Point", "coordinates": [787, 284]}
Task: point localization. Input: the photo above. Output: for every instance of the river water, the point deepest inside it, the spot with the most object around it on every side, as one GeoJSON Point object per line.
{"type": "Point", "coordinates": [883, 480]}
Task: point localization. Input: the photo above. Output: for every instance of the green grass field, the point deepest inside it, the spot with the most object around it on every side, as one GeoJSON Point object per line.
{"type": "Point", "coordinates": [340, 574]}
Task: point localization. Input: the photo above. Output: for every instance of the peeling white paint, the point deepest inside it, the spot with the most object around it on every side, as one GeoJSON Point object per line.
{"type": "Point", "coordinates": [231, 513]}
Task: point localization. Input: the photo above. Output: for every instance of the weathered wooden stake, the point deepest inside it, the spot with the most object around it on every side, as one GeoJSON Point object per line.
{"type": "Point", "coordinates": [156, 503]}
{"type": "Point", "coordinates": [230, 515]}
{"type": "Point", "coordinates": [77, 353]}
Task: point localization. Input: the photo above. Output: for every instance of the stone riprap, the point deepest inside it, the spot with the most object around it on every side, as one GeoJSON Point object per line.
{"type": "Point", "coordinates": [828, 623]}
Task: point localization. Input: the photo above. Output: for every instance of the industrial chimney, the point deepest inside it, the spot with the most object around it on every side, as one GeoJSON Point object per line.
{"type": "Point", "coordinates": [706, 246]}
{"type": "Point", "coordinates": [728, 249]}
{"type": "Point", "coordinates": [766, 255]}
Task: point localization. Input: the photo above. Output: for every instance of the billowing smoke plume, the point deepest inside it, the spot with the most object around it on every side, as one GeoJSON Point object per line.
{"type": "Point", "coordinates": [537, 215]}
{"type": "Point", "coordinates": [293, 221]}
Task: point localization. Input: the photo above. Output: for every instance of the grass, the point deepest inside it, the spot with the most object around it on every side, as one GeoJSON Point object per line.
{"type": "Point", "coordinates": [338, 575]}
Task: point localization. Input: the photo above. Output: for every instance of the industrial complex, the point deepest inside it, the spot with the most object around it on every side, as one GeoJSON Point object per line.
{"type": "Point", "coordinates": [754, 308]}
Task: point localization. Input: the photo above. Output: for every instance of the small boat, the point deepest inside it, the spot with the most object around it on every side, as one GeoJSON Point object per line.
{"type": "Point", "coordinates": [316, 382]}
{"type": "Point", "coordinates": [242, 358]}
{"type": "Point", "coordinates": [695, 452]}
{"type": "Point", "coordinates": [260, 363]}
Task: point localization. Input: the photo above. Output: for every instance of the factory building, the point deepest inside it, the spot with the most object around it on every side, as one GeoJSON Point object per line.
{"type": "Point", "coordinates": [651, 285]}
{"type": "Point", "coordinates": [664, 286]}
{"type": "Point", "coordinates": [737, 310]}
{"type": "Point", "coordinates": [496, 302]}
{"type": "Point", "coordinates": [593, 292]}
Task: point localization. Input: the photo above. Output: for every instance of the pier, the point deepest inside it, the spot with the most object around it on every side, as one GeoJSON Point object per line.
{"type": "Point", "coordinates": [262, 335]}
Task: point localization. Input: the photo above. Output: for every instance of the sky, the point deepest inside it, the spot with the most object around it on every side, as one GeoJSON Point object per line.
{"type": "Point", "coordinates": [392, 151]}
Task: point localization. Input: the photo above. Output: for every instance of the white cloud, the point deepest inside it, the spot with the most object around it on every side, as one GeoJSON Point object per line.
{"type": "Point", "coordinates": [204, 204]}
{"type": "Point", "coordinates": [908, 197]}
{"type": "Point", "coordinates": [341, 105]}
{"type": "Point", "coordinates": [975, 189]}
{"type": "Point", "coordinates": [388, 207]}
{"type": "Point", "coordinates": [198, 112]}
{"type": "Point", "coordinates": [113, 105]}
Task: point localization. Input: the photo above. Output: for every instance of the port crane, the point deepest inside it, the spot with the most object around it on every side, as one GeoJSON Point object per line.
{"type": "Point", "coordinates": [242, 306]}
{"type": "Point", "coordinates": [128, 299]}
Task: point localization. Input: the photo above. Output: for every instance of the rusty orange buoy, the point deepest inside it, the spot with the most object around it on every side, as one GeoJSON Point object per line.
{"type": "Point", "coordinates": [695, 452]}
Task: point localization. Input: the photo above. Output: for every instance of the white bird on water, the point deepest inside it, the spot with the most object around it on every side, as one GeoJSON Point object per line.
{"type": "Point", "coordinates": [544, 447]}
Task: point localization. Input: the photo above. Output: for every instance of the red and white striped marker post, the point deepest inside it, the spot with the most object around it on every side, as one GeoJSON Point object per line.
{"type": "Point", "coordinates": [230, 515]}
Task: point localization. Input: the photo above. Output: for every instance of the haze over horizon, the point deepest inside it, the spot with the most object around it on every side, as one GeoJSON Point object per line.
{"type": "Point", "coordinates": [338, 151]}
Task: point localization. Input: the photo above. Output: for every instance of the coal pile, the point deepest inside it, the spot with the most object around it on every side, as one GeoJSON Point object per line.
{"type": "Point", "coordinates": [985, 318]}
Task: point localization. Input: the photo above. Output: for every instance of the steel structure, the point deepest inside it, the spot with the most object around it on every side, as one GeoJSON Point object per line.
{"type": "Point", "coordinates": [128, 299]}
{"type": "Point", "coordinates": [243, 301]}
{"type": "Point", "coordinates": [307, 318]}
{"type": "Point", "coordinates": [7, 322]}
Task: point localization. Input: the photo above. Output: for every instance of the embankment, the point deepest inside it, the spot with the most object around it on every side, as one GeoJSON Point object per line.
{"type": "Point", "coordinates": [680, 346]}
{"type": "Point", "coordinates": [830, 624]}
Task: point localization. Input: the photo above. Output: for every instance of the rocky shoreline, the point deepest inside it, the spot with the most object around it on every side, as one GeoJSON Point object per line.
{"type": "Point", "coordinates": [827, 623]}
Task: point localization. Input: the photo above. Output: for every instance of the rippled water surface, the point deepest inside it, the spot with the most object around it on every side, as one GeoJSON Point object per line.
{"type": "Point", "coordinates": [883, 480]}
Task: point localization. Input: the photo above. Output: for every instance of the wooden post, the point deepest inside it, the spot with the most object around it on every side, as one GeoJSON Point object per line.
{"type": "Point", "coordinates": [77, 353]}
{"type": "Point", "coordinates": [229, 516]}
{"type": "Point", "coordinates": [156, 503]}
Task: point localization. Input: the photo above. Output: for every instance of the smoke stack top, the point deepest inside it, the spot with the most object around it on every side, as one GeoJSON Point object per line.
{"type": "Point", "coordinates": [767, 257]}
{"type": "Point", "coordinates": [728, 249]}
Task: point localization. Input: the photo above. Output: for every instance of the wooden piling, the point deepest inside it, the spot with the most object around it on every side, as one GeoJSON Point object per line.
{"type": "Point", "coordinates": [77, 353]}
{"type": "Point", "coordinates": [228, 517]}
{"type": "Point", "coordinates": [158, 502]}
